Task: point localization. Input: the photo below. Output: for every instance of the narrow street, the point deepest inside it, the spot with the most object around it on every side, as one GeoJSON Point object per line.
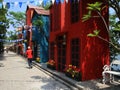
{"type": "Point", "coordinates": [15, 75]}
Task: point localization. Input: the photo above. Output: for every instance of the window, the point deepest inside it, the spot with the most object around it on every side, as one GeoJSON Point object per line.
{"type": "Point", "coordinates": [56, 17]}
{"type": "Point", "coordinates": [75, 52]}
{"type": "Point", "coordinates": [52, 50]}
{"type": "Point", "coordinates": [51, 22]}
{"type": "Point", "coordinates": [61, 53]}
{"type": "Point", "coordinates": [75, 11]}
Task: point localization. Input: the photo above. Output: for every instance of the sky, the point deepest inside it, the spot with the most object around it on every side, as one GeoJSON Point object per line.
{"type": "Point", "coordinates": [23, 5]}
{"type": "Point", "coordinates": [17, 7]}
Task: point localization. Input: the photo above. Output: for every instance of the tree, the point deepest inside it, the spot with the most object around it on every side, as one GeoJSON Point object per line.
{"type": "Point", "coordinates": [114, 35]}
{"type": "Point", "coordinates": [12, 35]}
{"type": "Point", "coordinates": [17, 19]}
{"type": "Point", "coordinates": [4, 24]}
{"type": "Point", "coordinates": [115, 4]}
{"type": "Point", "coordinates": [97, 7]}
{"type": "Point", "coordinates": [46, 4]}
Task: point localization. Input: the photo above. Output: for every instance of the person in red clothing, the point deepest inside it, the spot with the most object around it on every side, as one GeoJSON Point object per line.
{"type": "Point", "coordinates": [29, 54]}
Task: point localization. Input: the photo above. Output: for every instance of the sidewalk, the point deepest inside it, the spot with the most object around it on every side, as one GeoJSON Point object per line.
{"type": "Point", "coordinates": [15, 75]}
{"type": "Point", "coordinates": [84, 85]}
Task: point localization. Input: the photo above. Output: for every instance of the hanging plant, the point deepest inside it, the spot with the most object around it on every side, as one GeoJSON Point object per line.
{"type": "Point", "coordinates": [38, 22]}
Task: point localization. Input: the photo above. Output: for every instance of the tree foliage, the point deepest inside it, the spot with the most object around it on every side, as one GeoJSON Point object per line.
{"type": "Point", "coordinates": [12, 35]}
{"type": "Point", "coordinates": [38, 23]}
{"type": "Point", "coordinates": [115, 4]}
{"type": "Point", "coordinates": [4, 24]}
{"type": "Point", "coordinates": [46, 5]}
{"type": "Point", "coordinates": [17, 19]}
{"type": "Point", "coordinates": [95, 33]}
{"type": "Point", "coordinates": [114, 35]}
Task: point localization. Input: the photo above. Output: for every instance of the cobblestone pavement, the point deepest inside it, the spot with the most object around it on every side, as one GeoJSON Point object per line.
{"type": "Point", "coordinates": [15, 75]}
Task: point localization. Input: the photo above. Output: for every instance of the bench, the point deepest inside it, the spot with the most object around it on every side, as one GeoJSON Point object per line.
{"type": "Point", "coordinates": [108, 74]}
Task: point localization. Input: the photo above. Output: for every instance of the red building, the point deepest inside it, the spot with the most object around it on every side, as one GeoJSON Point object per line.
{"type": "Point", "coordinates": [29, 14]}
{"type": "Point", "coordinates": [19, 43]}
{"type": "Point", "coordinates": [69, 43]}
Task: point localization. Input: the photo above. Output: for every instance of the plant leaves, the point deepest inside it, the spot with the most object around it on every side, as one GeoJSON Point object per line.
{"type": "Point", "coordinates": [91, 35]}
{"type": "Point", "coordinates": [94, 6]}
{"type": "Point", "coordinates": [96, 32]}
{"type": "Point", "coordinates": [86, 17]}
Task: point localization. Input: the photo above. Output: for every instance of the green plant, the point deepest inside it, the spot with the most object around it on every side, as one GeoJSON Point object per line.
{"type": "Point", "coordinates": [51, 64]}
{"type": "Point", "coordinates": [37, 59]}
{"type": "Point", "coordinates": [72, 70]}
{"type": "Point", "coordinates": [100, 10]}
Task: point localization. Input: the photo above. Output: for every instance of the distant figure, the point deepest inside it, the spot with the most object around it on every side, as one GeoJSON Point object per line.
{"type": "Point", "coordinates": [7, 50]}
{"type": "Point", "coordinates": [29, 54]}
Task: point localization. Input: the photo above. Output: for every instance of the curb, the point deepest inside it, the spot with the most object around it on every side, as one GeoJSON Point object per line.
{"type": "Point", "coordinates": [77, 86]}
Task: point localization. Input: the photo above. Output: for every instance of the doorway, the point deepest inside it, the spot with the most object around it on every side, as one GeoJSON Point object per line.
{"type": "Point", "coordinates": [61, 51]}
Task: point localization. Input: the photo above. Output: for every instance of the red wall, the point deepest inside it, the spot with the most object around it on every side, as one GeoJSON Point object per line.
{"type": "Point", "coordinates": [94, 52]}
{"type": "Point", "coordinates": [29, 13]}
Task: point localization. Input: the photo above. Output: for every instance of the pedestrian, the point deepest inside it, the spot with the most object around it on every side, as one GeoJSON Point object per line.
{"type": "Point", "coordinates": [29, 54]}
{"type": "Point", "coordinates": [7, 50]}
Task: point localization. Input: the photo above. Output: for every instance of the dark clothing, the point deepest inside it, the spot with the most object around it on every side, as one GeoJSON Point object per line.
{"type": "Point", "coordinates": [7, 50]}
{"type": "Point", "coordinates": [29, 54]}
{"type": "Point", "coordinates": [30, 62]}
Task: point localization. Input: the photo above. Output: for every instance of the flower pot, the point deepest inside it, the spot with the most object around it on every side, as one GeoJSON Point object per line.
{"type": "Point", "coordinates": [68, 74]}
{"type": "Point", "coordinates": [77, 77]}
{"type": "Point", "coordinates": [50, 67]}
{"type": "Point", "coordinates": [38, 59]}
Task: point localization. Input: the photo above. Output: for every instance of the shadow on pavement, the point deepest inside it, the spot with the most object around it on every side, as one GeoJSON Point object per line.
{"type": "Point", "coordinates": [49, 83]}
{"type": "Point", "coordinates": [2, 57]}
{"type": "Point", "coordinates": [10, 55]}
{"type": "Point", "coordinates": [1, 65]}
{"type": "Point", "coordinates": [36, 77]}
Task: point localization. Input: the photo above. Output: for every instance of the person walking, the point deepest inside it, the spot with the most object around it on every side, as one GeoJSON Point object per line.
{"type": "Point", "coordinates": [7, 50]}
{"type": "Point", "coordinates": [29, 54]}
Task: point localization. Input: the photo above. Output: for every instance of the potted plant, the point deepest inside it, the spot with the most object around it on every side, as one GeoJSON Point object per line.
{"type": "Point", "coordinates": [38, 59]}
{"type": "Point", "coordinates": [77, 74]}
{"type": "Point", "coordinates": [73, 72]}
{"type": "Point", "coordinates": [51, 64]}
{"type": "Point", "coordinates": [68, 71]}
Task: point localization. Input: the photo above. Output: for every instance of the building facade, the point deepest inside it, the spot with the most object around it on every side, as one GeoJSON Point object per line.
{"type": "Point", "coordinates": [20, 41]}
{"type": "Point", "coordinates": [69, 43]}
{"type": "Point", "coordinates": [40, 35]}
